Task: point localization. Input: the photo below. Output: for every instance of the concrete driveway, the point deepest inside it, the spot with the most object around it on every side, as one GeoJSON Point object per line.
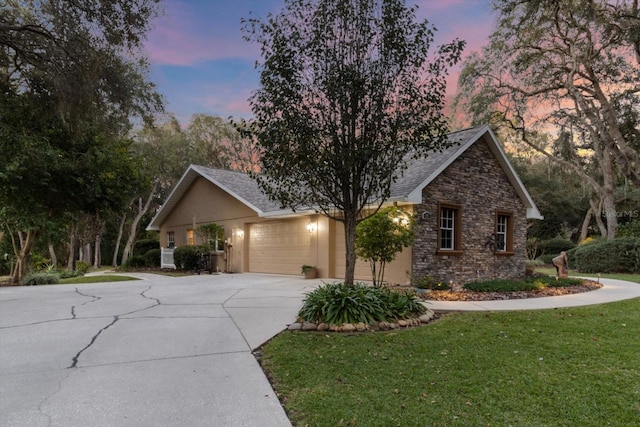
{"type": "Point", "coordinates": [160, 351]}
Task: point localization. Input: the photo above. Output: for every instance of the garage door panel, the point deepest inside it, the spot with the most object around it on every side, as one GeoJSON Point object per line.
{"type": "Point", "coordinates": [279, 247]}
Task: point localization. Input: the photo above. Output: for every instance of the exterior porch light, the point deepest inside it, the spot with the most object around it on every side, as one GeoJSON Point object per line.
{"type": "Point", "coordinates": [311, 227]}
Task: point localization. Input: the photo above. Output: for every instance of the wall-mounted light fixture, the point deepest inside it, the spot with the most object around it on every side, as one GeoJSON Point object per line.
{"type": "Point", "coordinates": [311, 227]}
{"type": "Point", "coordinates": [240, 233]}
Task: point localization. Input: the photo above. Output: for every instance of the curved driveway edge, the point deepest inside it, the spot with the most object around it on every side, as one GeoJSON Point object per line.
{"type": "Point", "coordinates": [611, 290]}
{"type": "Point", "coordinates": [161, 351]}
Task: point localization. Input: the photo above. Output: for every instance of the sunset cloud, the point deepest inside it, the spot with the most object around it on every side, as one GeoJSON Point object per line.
{"type": "Point", "coordinates": [201, 63]}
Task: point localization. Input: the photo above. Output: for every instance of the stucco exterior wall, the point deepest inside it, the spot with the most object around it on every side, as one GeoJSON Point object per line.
{"type": "Point", "coordinates": [204, 203]}
{"type": "Point", "coordinates": [477, 183]}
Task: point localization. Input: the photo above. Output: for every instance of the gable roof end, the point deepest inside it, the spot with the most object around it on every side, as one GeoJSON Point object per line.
{"type": "Point", "coordinates": [434, 164]}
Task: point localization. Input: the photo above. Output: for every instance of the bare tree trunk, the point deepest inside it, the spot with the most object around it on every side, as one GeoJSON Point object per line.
{"type": "Point", "coordinates": [350, 246]}
{"type": "Point", "coordinates": [97, 253]}
{"type": "Point", "coordinates": [52, 255]}
{"type": "Point", "coordinates": [114, 262]}
{"type": "Point", "coordinates": [72, 246]}
{"type": "Point", "coordinates": [597, 214]}
{"type": "Point", "coordinates": [87, 253]}
{"type": "Point", "coordinates": [22, 254]}
{"type": "Point", "coordinates": [142, 209]}
{"type": "Point", "coordinates": [585, 225]}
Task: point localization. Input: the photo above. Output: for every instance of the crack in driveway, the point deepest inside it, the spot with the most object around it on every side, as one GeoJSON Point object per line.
{"type": "Point", "coordinates": [74, 360]}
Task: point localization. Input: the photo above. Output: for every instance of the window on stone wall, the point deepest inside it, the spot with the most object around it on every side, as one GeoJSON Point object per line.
{"type": "Point", "coordinates": [190, 237]}
{"type": "Point", "coordinates": [504, 232]}
{"type": "Point", "coordinates": [449, 229]}
{"type": "Point", "coordinates": [171, 239]}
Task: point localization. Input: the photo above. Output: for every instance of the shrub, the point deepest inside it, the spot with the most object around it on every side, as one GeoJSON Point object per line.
{"type": "Point", "coordinates": [65, 274]}
{"type": "Point", "coordinates": [338, 303]}
{"type": "Point", "coordinates": [554, 246]}
{"type": "Point", "coordinates": [609, 256]}
{"type": "Point", "coordinates": [630, 229]}
{"type": "Point", "coordinates": [187, 257]}
{"type": "Point", "coordinates": [38, 262]}
{"type": "Point", "coordinates": [152, 258]}
{"type": "Point", "coordinates": [141, 247]}
{"type": "Point", "coordinates": [136, 261]}
{"type": "Point", "coordinates": [41, 278]}
{"type": "Point", "coordinates": [82, 267]}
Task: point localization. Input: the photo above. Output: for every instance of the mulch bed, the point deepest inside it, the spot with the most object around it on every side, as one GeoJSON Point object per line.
{"type": "Point", "coordinates": [586, 286]}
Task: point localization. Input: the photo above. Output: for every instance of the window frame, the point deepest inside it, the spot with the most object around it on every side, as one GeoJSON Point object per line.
{"type": "Point", "coordinates": [457, 229]}
{"type": "Point", "coordinates": [191, 238]}
{"type": "Point", "coordinates": [508, 232]}
{"type": "Point", "coordinates": [171, 239]}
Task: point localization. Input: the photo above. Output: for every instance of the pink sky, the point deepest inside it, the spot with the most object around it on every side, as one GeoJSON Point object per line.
{"type": "Point", "coordinates": [201, 64]}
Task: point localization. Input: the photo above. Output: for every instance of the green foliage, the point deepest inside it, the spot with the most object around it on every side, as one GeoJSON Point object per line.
{"type": "Point", "coordinates": [41, 278]}
{"type": "Point", "coordinates": [141, 247]}
{"type": "Point", "coordinates": [82, 267]}
{"type": "Point", "coordinates": [381, 237]}
{"type": "Point", "coordinates": [66, 274]}
{"type": "Point", "coordinates": [152, 258]}
{"type": "Point", "coordinates": [38, 262]}
{"type": "Point", "coordinates": [339, 303]}
{"type": "Point", "coordinates": [528, 284]}
{"type": "Point", "coordinates": [630, 229]}
{"type": "Point", "coordinates": [349, 91]}
{"type": "Point", "coordinates": [187, 257]}
{"type": "Point", "coordinates": [555, 246]}
{"type": "Point", "coordinates": [609, 256]}
{"type": "Point", "coordinates": [136, 261]}
{"type": "Point", "coordinates": [212, 235]}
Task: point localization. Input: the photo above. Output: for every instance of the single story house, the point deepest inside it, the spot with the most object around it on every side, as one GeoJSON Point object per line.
{"type": "Point", "coordinates": [470, 206]}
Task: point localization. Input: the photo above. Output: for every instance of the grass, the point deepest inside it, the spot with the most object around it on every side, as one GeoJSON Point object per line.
{"type": "Point", "coordinates": [564, 367]}
{"type": "Point", "coordinates": [103, 278]}
{"type": "Point", "coordinates": [619, 276]}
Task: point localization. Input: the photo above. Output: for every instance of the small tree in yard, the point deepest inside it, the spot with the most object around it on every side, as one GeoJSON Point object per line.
{"type": "Point", "coordinates": [211, 234]}
{"type": "Point", "coordinates": [381, 237]}
{"type": "Point", "coordinates": [349, 92]}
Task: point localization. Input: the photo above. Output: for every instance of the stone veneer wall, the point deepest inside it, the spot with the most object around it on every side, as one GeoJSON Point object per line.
{"type": "Point", "coordinates": [476, 182]}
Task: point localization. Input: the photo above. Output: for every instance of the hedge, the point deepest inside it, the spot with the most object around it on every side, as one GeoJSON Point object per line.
{"type": "Point", "coordinates": [554, 246]}
{"type": "Point", "coordinates": [609, 256]}
{"type": "Point", "coordinates": [152, 258]}
{"type": "Point", "coordinates": [141, 247]}
{"type": "Point", "coordinates": [187, 257]}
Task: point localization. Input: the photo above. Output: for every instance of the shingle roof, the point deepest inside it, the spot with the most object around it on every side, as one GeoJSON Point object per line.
{"type": "Point", "coordinates": [419, 170]}
{"type": "Point", "coordinates": [408, 188]}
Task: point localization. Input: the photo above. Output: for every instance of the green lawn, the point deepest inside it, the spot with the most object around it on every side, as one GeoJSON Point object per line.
{"type": "Point", "coordinates": [620, 276]}
{"type": "Point", "coordinates": [564, 367]}
{"type": "Point", "coordinates": [96, 279]}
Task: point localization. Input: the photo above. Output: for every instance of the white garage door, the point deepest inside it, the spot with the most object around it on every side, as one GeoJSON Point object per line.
{"type": "Point", "coordinates": [279, 246]}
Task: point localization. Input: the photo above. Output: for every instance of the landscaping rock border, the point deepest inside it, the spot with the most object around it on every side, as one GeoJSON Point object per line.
{"type": "Point", "coordinates": [427, 317]}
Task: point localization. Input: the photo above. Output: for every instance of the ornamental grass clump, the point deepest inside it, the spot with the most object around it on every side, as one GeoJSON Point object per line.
{"type": "Point", "coordinates": [338, 303]}
{"type": "Point", "coordinates": [41, 278]}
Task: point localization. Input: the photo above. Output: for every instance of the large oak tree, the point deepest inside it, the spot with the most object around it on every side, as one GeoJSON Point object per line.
{"type": "Point", "coordinates": [570, 68]}
{"type": "Point", "coordinates": [348, 90]}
